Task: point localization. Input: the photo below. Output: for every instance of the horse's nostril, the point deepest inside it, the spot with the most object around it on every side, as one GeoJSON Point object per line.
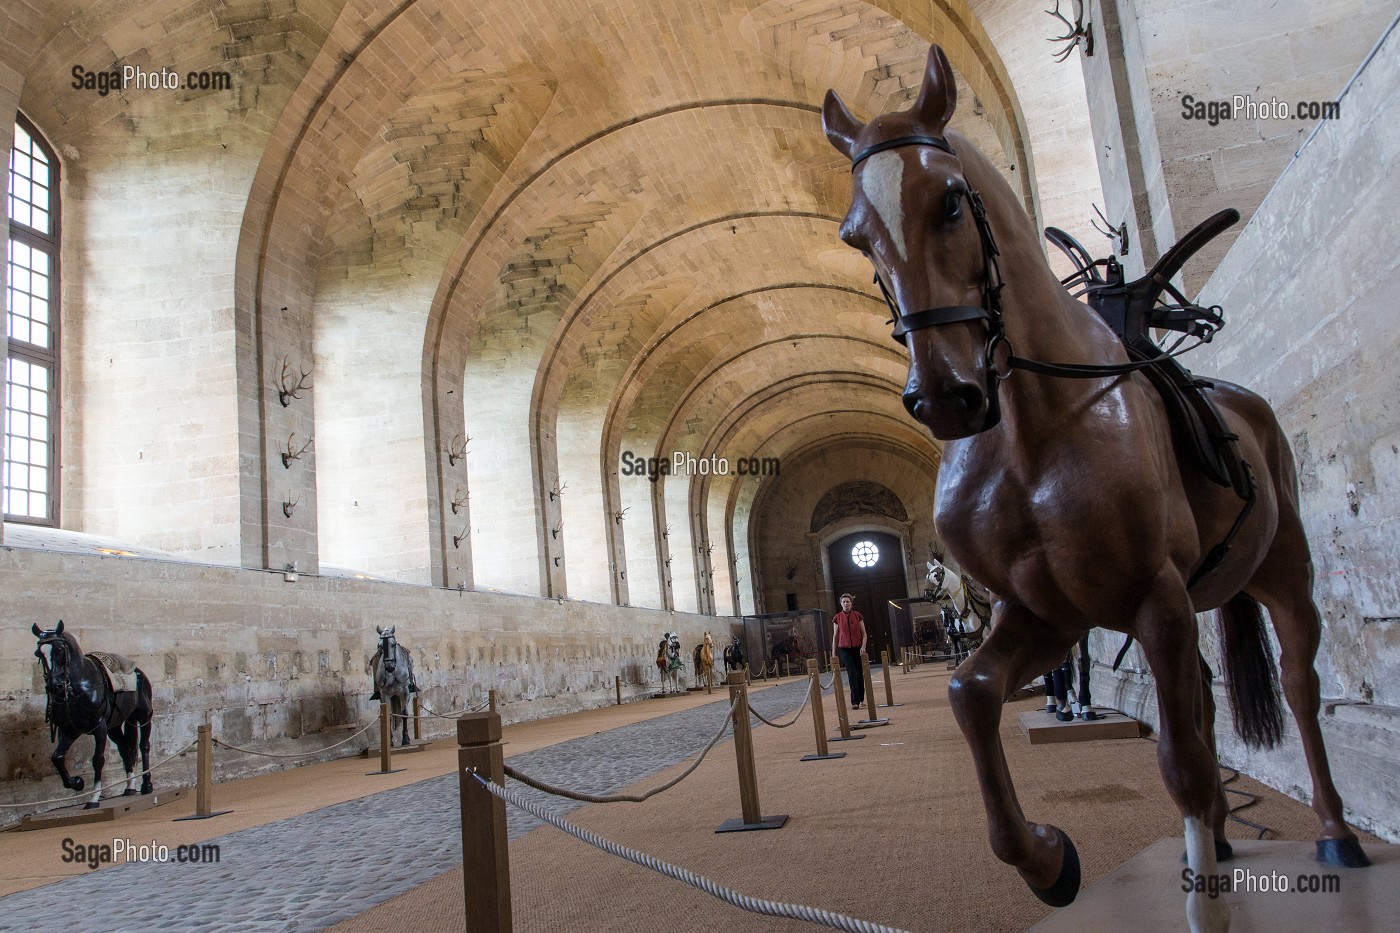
{"type": "Point", "coordinates": [912, 404]}
{"type": "Point", "coordinates": [967, 398]}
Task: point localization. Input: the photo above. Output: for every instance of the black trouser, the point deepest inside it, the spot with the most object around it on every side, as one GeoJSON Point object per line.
{"type": "Point", "coordinates": [850, 660]}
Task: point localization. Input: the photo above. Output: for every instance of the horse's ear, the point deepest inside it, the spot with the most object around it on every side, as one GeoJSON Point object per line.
{"type": "Point", "coordinates": [378, 630]}
{"type": "Point", "coordinates": [841, 127]}
{"type": "Point", "coordinates": [59, 630]}
{"type": "Point", "coordinates": [938, 98]}
{"type": "Point", "coordinates": [389, 630]}
{"type": "Point", "coordinates": [38, 632]}
{"type": "Point", "coordinates": [930, 568]}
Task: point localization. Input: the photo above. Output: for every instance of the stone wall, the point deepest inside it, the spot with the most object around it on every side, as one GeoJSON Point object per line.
{"type": "Point", "coordinates": [271, 662]}
{"type": "Point", "coordinates": [1308, 296]}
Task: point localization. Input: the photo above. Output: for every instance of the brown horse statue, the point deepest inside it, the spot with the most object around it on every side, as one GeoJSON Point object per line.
{"type": "Point", "coordinates": [1066, 496]}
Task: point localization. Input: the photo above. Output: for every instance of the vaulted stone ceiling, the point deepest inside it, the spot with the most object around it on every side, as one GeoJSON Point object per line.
{"type": "Point", "coordinates": [593, 227]}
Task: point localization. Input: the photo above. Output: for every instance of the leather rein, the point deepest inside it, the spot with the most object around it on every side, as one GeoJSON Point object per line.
{"type": "Point", "coordinates": [991, 309]}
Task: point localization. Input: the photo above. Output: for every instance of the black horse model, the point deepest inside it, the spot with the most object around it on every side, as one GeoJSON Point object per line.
{"type": "Point", "coordinates": [734, 656]}
{"type": "Point", "coordinates": [82, 701]}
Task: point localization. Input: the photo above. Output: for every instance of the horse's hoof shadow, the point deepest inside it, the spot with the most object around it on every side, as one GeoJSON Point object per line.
{"type": "Point", "coordinates": [1066, 887]}
{"type": "Point", "coordinates": [1343, 853]}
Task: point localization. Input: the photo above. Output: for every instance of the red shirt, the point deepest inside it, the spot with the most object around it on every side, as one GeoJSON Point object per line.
{"type": "Point", "coordinates": [850, 629]}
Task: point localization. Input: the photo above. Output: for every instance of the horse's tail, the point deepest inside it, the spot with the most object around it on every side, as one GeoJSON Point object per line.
{"type": "Point", "coordinates": [1251, 672]}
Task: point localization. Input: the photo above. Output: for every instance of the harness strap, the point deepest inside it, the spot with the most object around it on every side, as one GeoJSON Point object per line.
{"type": "Point", "coordinates": [938, 142]}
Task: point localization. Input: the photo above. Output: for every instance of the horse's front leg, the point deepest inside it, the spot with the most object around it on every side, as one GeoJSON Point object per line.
{"type": "Point", "coordinates": [1166, 629]}
{"type": "Point", "coordinates": [1020, 644]}
{"type": "Point", "coordinates": [99, 759]}
{"type": "Point", "coordinates": [60, 761]}
{"type": "Point", "coordinates": [403, 710]}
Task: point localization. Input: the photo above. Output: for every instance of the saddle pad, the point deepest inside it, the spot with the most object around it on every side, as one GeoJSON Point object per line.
{"type": "Point", "coordinates": [121, 670]}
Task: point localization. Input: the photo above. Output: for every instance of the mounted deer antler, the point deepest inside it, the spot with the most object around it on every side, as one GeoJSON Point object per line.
{"type": "Point", "coordinates": [459, 500]}
{"type": "Point", "coordinates": [1119, 236]}
{"type": "Point", "coordinates": [554, 532]}
{"type": "Point", "coordinates": [285, 391]}
{"type": "Point", "coordinates": [289, 504]}
{"type": "Point", "coordinates": [1079, 32]}
{"type": "Point", "coordinates": [458, 539]}
{"type": "Point", "coordinates": [618, 516]}
{"type": "Point", "coordinates": [557, 491]}
{"type": "Point", "coordinates": [288, 455]}
{"type": "Point", "coordinates": [457, 448]}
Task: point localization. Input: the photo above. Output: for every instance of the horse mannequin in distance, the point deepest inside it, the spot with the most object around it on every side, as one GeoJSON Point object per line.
{"type": "Point", "coordinates": [704, 662]}
{"type": "Point", "coordinates": [1066, 496]}
{"type": "Point", "coordinates": [670, 663]}
{"type": "Point", "coordinates": [84, 699]}
{"type": "Point", "coordinates": [392, 666]}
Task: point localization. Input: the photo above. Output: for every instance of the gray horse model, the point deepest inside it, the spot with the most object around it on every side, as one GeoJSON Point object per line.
{"type": "Point", "coordinates": [392, 668]}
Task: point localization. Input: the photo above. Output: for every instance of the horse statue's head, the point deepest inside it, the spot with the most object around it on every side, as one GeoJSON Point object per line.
{"type": "Point", "coordinates": [709, 642]}
{"type": "Point", "coordinates": [62, 648]}
{"type": "Point", "coordinates": [918, 218]}
{"type": "Point", "coordinates": [388, 655]}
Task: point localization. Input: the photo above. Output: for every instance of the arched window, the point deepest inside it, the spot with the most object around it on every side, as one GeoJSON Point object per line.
{"type": "Point", "coordinates": [30, 480]}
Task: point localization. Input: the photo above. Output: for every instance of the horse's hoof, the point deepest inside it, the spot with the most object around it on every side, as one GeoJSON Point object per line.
{"type": "Point", "coordinates": [1089, 716]}
{"type": "Point", "coordinates": [148, 788]}
{"type": "Point", "coordinates": [89, 806]}
{"type": "Point", "coordinates": [1064, 716]}
{"type": "Point", "coordinates": [129, 792]}
{"type": "Point", "coordinates": [1066, 887]}
{"type": "Point", "coordinates": [1224, 852]}
{"type": "Point", "coordinates": [1344, 853]}
{"type": "Point", "coordinates": [75, 784]}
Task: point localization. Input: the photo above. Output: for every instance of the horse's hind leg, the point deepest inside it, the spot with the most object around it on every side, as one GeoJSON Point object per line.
{"type": "Point", "coordinates": [1284, 585]}
{"type": "Point", "coordinates": [403, 714]}
{"type": "Point", "coordinates": [1019, 645]}
{"type": "Point", "coordinates": [1168, 637]}
{"type": "Point", "coordinates": [126, 739]}
{"type": "Point", "coordinates": [143, 717]}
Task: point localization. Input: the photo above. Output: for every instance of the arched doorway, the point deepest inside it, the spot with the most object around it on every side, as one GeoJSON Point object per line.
{"type": "Point", "coordinates": [870, 566]}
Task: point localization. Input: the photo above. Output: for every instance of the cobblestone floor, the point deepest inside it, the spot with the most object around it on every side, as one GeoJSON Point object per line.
{"type": "Point", "coordinates": [311, 871]}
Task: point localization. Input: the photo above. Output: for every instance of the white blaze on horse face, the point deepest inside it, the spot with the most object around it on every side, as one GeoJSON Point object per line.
{"type": "Point", "coordinates": [882, 184]}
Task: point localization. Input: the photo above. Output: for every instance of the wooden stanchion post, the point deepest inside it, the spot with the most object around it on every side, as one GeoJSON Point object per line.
{"type": "Point", "coordinates": [203, 777]}
{"type": "Point", "coordinates": [872, 719]}
{"type": "Point", "coordinates": [617, 685]}
{"type": "Point", "coordinates": [889, 681]}
{"type": "Point", "coordinates": [485, 853]}
{"type": "Point", "coordinates": [843, 718]}
{"type": "Point", "coordinates": [417, 718]}
{"type": "Point", "coordinates": [818, 716]}
{"type": "Point", "coordinates": [753, 817]}
{"type": "Point", "coordinates": [386, 735]}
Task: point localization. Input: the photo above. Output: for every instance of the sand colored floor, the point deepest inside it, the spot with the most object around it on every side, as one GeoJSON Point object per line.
{"type": "Point", "coordinates": [893, 833]}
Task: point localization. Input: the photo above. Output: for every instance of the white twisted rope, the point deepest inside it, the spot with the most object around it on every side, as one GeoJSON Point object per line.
{"type": "Point", "coordinates": [828, 684]}
{"type": "Point", "coordinates": [249, 751]}
{"type": "Point", "coordinates": [742, 901]}
{"type": "Point", "coordinates": [537, 784]}
{"type": "Point", "coordinates": [71, 798]}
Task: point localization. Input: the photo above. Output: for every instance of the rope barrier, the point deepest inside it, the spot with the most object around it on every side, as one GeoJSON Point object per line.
{"type": "Point", "coordinates": [728, 895]}
{"type": "Point", "coordinates": [806, 698]}
{"type": "Point", "coordinates": [72, 797]}
{"type": "Point", "coordinates": [249, 751]}
{"type": "Point", "coordinates": [623, 798]}
{"type": "Point", "coordinates": [456, 712]}
{"type": "Point", "coordinates": [826, 686]}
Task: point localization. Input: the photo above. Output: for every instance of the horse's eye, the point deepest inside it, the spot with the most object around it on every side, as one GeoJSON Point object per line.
{"type": "Point", "coordinates": [953, 205]}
